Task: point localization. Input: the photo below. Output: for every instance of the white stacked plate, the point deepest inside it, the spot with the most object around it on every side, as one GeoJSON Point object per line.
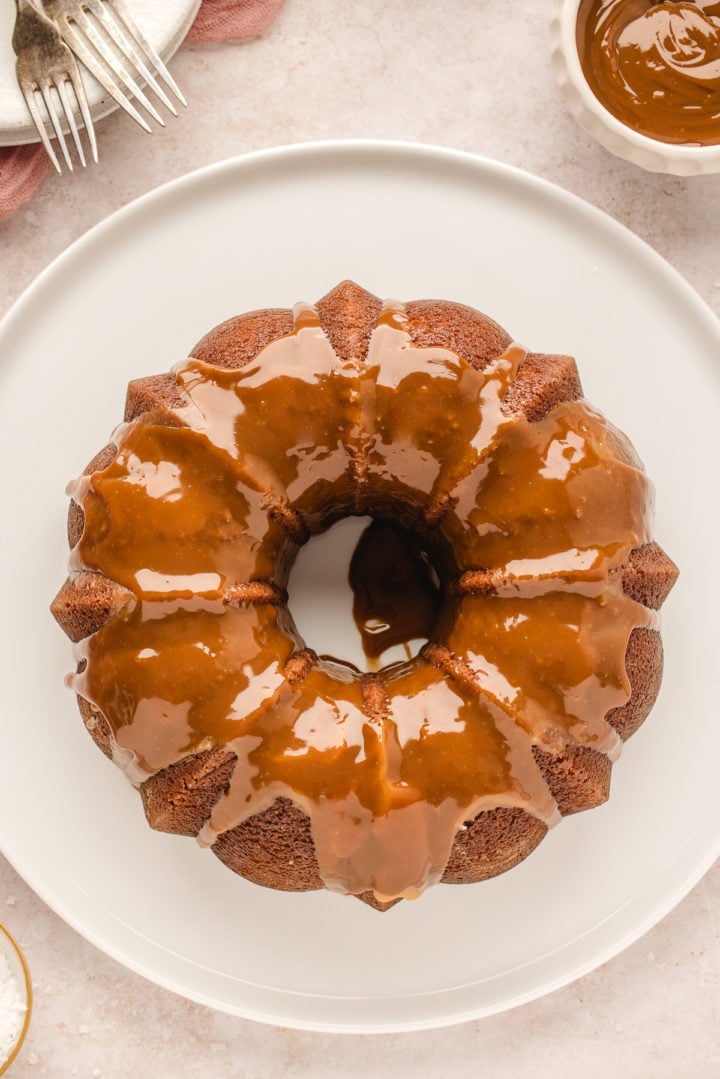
{"type": "Point", "coordinates": [130, 299]}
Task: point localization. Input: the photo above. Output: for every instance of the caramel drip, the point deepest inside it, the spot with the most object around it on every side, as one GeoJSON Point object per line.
{"type": "Point", "coordinates": [435, 416]}
{"type": "Point", "coordinates": [281, 421]}
{"type": "Point", "coordinates": [656, 67]}
{"type": "Point", "coordinates": [395, 599]}
{"type": "Point", "coordinates": [200, 523]}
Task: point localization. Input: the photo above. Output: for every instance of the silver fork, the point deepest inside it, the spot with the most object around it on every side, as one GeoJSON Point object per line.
{"type": "Point", "coordinates": [103, 34]}
{"type": "Point", "coordinates": [45, 64]}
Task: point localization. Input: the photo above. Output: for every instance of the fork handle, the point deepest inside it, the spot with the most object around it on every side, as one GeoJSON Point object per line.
{"type": "Point", "coordinates": [32, 26]}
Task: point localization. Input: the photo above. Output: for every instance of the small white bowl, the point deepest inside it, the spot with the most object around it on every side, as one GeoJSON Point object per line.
{"type": "Point", "coordinates": [16, 960]}
{"type": "Point", "coordinates": [651, 154]}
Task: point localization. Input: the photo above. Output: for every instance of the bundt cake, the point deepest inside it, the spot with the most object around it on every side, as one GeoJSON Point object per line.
{"type": "Point", "coordinates": [301, 771]}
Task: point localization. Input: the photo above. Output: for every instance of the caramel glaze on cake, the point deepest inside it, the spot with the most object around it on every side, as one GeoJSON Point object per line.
{"type": "Point", "coordinates": [302, 772]}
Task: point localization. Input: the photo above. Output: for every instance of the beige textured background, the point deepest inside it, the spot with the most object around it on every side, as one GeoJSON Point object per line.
{"type": "Point", "coordinates": [475, 76]}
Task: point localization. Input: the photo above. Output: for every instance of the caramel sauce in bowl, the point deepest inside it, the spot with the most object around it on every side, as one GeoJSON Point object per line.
{"type": "Point", "coordinates": [643, 78]}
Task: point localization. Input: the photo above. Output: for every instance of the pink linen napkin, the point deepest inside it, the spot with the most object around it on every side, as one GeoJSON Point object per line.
{"type": "Point", "coordinates": [22, 168]}
{"type": "Point", "coordinates": [21, 171]}
{"type": "Point", "coordinates": [233, 20]}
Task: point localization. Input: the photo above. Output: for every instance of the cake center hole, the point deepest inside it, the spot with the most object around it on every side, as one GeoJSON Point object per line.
{"type": "Point", "coordinates": [364, 592]}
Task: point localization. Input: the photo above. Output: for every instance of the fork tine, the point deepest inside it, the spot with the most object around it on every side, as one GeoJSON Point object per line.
{"type": "Point", "coordinates": [118, 31]}
{"type": "Point", "coordinates": [46, 92]}
{"type": "Point", "coordinates": [102, 74]}
{"type": "Point", "coordinates": [70, 117]}
{"type": "Point", "coordinates": [37, 119]}
{"type": "Point", "coordinates": [119, 9]}
{"type": "Point", "coordinates": [76, 82]}
{"type": "Point", "coordinates": [85, 25]}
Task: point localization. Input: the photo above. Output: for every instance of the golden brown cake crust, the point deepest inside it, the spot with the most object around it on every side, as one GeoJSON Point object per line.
{"type": "Point", "coordinates": [492, 843]}
{"type": "Point", "coordinates": [180, 798]}
{"type": "Point", "coordinates": [274, 847]}
{"type": "Point", "coordinates": [237, 341]}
